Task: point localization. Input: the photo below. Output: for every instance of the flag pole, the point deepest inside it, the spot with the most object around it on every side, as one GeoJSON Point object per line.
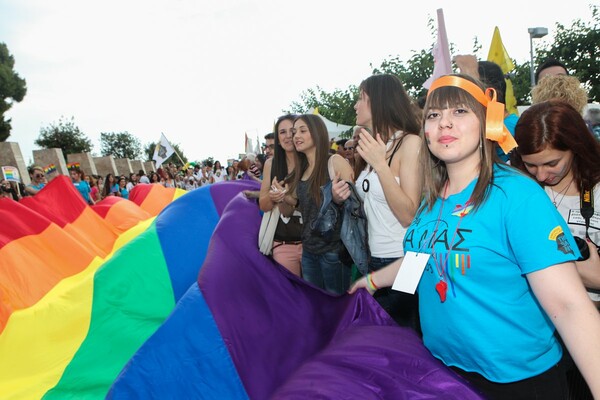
{"type": "Point", "coordinates": [174, 151]}
{"type": "Point", "coordinates": [178, 156]}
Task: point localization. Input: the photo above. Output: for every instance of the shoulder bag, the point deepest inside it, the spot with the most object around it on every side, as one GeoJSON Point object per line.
{"type": "Point", "coordinates": [266, 232]}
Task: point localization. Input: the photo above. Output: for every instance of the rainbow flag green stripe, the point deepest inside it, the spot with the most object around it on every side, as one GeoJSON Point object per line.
{"type": "Point", "coordinates": [123, 316]}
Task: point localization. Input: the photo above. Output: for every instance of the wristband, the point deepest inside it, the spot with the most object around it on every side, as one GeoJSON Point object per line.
{"type": "Point", "coordinates": [370, 282]}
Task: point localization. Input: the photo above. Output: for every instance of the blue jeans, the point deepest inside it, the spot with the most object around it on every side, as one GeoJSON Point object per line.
{"type": "Point", "coordinates": [326, 271]}
{"type": "Point", "coordinates": [402, 307]}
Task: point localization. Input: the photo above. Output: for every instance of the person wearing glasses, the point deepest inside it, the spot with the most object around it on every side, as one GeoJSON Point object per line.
{"type": "Point", "coordinates": [269, 145]}
{"type": "Point", "coordinates": [349, 151]}
{"type": "Point", "coordinates": [38, 180]}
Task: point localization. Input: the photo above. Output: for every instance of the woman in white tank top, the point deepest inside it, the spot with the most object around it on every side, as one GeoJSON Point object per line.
{"type": "Point", "coordinates": [389, 179]}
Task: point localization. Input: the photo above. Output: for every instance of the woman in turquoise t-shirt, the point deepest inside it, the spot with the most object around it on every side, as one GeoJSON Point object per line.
{"type": "Point", "coordinates": [497, 270]}
{"type": "Point", "coordinates": [78, 178]}
{"type": "Point", "coordinates": [123, 192]}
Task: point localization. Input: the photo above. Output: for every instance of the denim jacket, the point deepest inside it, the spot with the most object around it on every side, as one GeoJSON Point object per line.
{"type": "Point", "coordinates": [354, 224]}
{"type": "Point", "coordinates": [354, 230]}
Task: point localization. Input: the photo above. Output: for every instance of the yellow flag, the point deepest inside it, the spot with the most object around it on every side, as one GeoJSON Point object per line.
{"type": "Point", "coordinates": [499, 55]}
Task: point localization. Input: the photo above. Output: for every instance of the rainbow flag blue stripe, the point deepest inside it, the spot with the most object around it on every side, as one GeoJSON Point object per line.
{"type": "Point", "coordinates": [167, 296]}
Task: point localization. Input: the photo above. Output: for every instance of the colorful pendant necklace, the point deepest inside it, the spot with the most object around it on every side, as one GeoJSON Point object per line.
{"type": "Point", "coordinates": [441, 265]}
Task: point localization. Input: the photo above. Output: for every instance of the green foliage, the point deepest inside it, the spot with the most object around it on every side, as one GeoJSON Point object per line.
{"type": "Point", "coordinates": [417, 69]}
{"type": "Point", "coordinates": [120, 145]}
{"type": "Point", "coordinates": [149, 152]}
{"type": "Point", "coordinates": [12, 89]}
{"type": "Point", "coordinates": [336, 106]}
{"type": "Point", "coordinates": [64, 135]}
{"type": "Point", "coordinates": [521, 80]}
{"type": "Point", "coordinates": [578, 47]}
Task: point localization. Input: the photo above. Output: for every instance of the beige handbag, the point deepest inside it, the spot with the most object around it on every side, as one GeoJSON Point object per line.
{"type": "Point", "coordinates": [266, 232]}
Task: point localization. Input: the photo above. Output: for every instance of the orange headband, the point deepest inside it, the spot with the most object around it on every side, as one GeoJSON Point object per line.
{"type": "Point", "coordinates": [494, 125]}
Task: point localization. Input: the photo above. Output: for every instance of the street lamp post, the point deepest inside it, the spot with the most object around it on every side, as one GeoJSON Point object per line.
{"type": "Point", "coordinates": [535, 33]}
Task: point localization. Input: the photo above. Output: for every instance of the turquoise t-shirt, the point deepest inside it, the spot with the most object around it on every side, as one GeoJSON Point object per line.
{"type": "Point", "coordinates": [84, 188]}
{"type": "Point", "coordinates": [510, 121]}
{"type": "Point", "coordinates": [491, 322]}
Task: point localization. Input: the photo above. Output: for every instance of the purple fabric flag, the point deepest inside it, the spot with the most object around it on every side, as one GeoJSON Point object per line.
{"type": "Point", "coordinates": [289, 339]}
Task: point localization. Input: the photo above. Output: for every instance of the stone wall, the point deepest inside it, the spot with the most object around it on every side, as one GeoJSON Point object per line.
{"type": "Point", "coordinates": [106, 165]}
{"type": "Point", "coordinates": [123, 166]}
{"type": "Point", "coordinates": [46, 157]}
{"type": "Point", "coordinates": [149, 167]}
{"type": "Point", "coordinates": [136, 165]}
{"type": "Point", "coordinates": [11, 156]}
{"type": "Point", "coordinates": [86, 162]}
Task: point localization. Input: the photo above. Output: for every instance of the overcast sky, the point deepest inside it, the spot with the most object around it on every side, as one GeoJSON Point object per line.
{"type": "Point", "coordinates": [205, 72]}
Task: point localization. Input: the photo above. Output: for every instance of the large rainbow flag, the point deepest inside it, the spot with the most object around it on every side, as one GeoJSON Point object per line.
{"type": "Point", "coordinates": [167, 296]}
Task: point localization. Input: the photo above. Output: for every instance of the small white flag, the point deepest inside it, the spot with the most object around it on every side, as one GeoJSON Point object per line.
{"type": "Point", "coordinates": [162, 151]}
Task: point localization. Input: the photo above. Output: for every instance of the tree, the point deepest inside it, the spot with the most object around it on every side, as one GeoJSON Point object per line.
{"type": "Point", "coordinates": [336, 106]}
{"type": "Point", "coordinates": [412, 74]}
{"type": "Point", "coordinates": [120, 145]}
{"type": "Point", "coordinates": [578, 47]}
{"type": "Point", "coordinates": [521, 80]}
{"type": "Point", "coordinates": [149, 153]}
{"type": "Point", "coordinates": [12, 89]}
{"type": "Point", "coordinates": [64, 135]}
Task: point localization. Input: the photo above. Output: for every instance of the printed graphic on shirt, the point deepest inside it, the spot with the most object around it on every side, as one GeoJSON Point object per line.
{"type": "Point", "coordinates": [461, 211]}
{"type": "Point", "coordinates": [450, 245]}
{"type": "Point", "coordinates": [557, 234]}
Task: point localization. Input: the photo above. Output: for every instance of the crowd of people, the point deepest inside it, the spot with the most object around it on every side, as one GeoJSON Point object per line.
{"type": "Point", "coordinates": [94, 188]}
{"type": "Point", "coordinates": [492, 212]}
{"type": "Point", "coordinates": [483, 206]}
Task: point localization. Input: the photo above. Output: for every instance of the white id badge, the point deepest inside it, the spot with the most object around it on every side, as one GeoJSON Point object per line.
{"type": "Point", "coordinates": [410, 272]}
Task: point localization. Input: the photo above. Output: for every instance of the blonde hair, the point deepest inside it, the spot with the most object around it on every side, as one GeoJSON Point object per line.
{"type": "Point", "coordinates": [561, 87]}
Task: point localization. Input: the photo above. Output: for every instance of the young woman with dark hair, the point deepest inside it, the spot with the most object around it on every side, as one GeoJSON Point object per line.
{"type": "Point", "coordinates": [491, 258]}
{"type": "Point", "coordinates": [278, 171]}
{"type": "Point", "coordinates": [390, 180]}
{"type": "Point", "coordinates": [321, 264]}
{"type": "Point", "coordinates": [111, 186]}
{"type": "Point", "coordinates": [558, 150]}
